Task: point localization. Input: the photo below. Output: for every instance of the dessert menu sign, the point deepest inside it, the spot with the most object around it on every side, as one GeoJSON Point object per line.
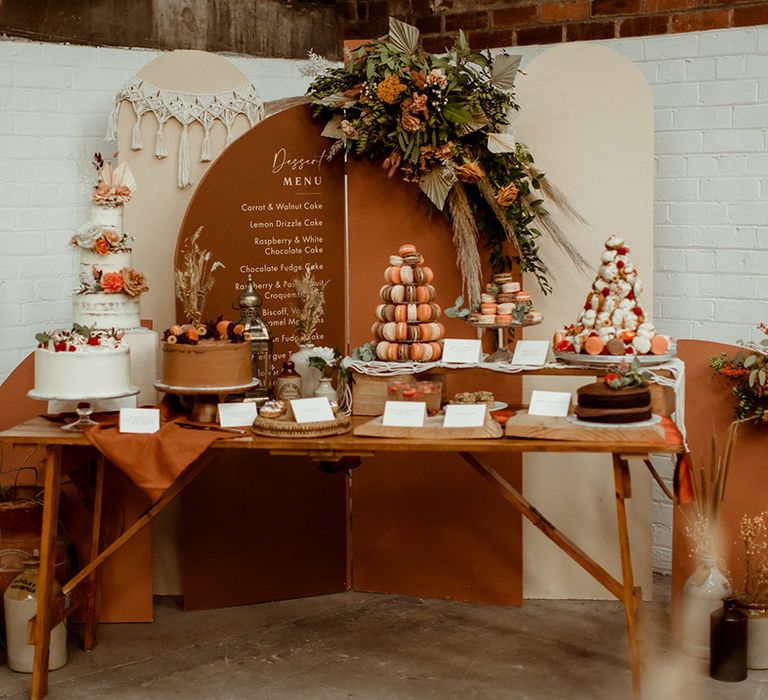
{"type": "Point", "coordinates": [272, 206]}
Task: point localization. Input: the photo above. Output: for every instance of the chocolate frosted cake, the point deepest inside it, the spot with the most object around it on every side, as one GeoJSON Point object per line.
{"type": "Point", "coordinates": [600, 403]}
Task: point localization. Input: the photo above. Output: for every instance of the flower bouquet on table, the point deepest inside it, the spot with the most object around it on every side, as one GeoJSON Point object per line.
{"type": "Point", "coordinates": [444, 122]}
{"type": "Point", "coordinates": [748, 370]}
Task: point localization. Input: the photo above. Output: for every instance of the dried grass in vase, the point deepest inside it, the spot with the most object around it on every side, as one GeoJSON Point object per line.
{"type": "Point", "coordinates": [754, 536]}
{"type": "Point", "coordinates": [709, 482]}
{"type": "Point", "coordinates": [195, 278]}
{"type": "Point", "coordinates": [308, 306]}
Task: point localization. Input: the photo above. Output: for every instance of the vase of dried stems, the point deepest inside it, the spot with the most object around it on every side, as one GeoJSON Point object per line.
{"type": "Point", "coordinates": [703, 594]}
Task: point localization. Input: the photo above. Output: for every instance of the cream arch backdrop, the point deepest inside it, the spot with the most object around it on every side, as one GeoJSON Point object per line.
{"type": "Point", "coordinates": [587, 115]}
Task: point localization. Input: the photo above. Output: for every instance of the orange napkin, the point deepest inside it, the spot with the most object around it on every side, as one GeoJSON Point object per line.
{"type": "Point", "coordinates": [683, 479]}
{"type": "Point", "coordinates": [153, 461]}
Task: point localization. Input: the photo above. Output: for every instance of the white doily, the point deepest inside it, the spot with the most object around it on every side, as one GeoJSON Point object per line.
{"type": "Point", "coordinates": [186, 108]}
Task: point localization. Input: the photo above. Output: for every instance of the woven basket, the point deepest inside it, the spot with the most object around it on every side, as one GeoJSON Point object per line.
{"type": "Point", "coordinates": [269, 427]}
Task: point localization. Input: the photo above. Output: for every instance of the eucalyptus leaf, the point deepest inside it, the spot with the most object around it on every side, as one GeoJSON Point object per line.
{"type": "Point", "coordinates": [405, 37]}
{"type": "Point", "coordinates": [504, 71]}
{"type": "Point", "coordinates": [43, 338]}
{"type": "Point", "coordinates": [761, 376]}
{"type": "Point", "coordinates": [463, 313]}
{"type": "Point", "coordinates": [749, 361]}
{"type": "Point", "coordinates": [752, 377]}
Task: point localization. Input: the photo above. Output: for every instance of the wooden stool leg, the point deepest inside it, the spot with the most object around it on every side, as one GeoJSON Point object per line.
{"type": "Point", "coordinates": [47, 565]}
{"type": "Point", "coordinates": [624, 491]}
{"type": "Point", "coordinates": [92, 597]}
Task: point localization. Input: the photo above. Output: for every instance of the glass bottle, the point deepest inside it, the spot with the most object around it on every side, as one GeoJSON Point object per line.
{"type": "Point", "coordinates": [20, 605]}
{"type": "Point", "coordinates": [288, 383]}
{"type": "Point", "coordinates": [728, 643]}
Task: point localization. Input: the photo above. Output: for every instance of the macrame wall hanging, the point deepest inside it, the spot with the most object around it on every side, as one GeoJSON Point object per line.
{"type": "Point", "coordinates": [185, 108]}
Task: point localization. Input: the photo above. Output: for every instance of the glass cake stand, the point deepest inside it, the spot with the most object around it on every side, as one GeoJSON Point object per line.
{"type": "Point", "coordinates": [84, 406]}
{"type": "Point", "coordinates": [205, 399]}
{"type": "Point", "coordinates": [502, 353]}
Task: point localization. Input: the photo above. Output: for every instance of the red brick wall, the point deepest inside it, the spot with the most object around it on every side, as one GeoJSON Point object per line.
{"type": "Point", "coordinates": [490, 23]}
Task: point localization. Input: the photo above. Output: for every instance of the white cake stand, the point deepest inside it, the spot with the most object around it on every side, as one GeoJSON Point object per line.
{"type": "Point", "coordinates": [84, 407]}
{"type": "Point", "coordinates": [206, 397]}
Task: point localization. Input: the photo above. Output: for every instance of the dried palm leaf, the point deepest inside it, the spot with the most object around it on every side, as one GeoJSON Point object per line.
{"type": "Point", "coordinates": [504, 71]}
{"type": "Point", "coordinates": [405, 37]}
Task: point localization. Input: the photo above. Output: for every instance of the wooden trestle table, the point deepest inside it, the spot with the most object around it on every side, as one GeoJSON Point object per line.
{"type": "Point", "coordinates": [81, 590]}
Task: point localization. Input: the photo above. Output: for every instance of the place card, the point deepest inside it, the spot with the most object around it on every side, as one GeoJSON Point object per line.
{"type": "Point", "coordinates": [462, 351]}
{"type": "Point", "coordinates": [139, 420]}
{"type": "Point", "coordinates": [532, 353]}
{"type": "Point", "coordinates": [237, 415]}
{"type": "Point", "coordinates": [465, 415]}
{"type": "Point", "coordinates": [405, 414]}
{"type": "Point", "coordinates": [312, 410]}
{"type": "Point", "coordinates": [550, 403]}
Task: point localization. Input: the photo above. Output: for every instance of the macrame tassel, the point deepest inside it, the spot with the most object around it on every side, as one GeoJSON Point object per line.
{"type": "Point", "coordinates": [184, 175]}
{"type": "Point", "coordinates": [205, 151]}
{"type": "Point", "coordinates": [160, 149]}
{"type": "Point", "coordinates": [111, 134]}
{"type": "Point", "coordinates": [136, 134]}
{"type": "Point", "coordinates": [228, 125]}
{"type": "Point", "coordinates": [465, 237]}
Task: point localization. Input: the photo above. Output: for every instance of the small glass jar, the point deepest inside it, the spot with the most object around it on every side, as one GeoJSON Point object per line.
{"type": "Point", "coordinates": [396, 386]}
{"type": "Point", "coordinates": [431, 394]}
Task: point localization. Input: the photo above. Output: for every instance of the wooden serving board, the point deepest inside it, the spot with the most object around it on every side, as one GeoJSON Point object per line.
{"type": "Point", "coordinates": [521, 425]}
{"type": "Point", "coordinates": [433, 430]}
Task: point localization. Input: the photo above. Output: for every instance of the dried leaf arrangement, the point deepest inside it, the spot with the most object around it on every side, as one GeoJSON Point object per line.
{"type": "Point", "coordinates": [444, 122]}
{"type": "Point", "coordinates": [308, 305]}
{"type": "Point", "coordinates": [194, 279]}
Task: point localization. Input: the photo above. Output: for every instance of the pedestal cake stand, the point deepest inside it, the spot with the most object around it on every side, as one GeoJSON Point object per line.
{"type": "Point", "coordinates": [502, 353]}
{"type": "Point", "coordinates": [84, 407]}
{"type": "Point", "coordinates": [205, 398]}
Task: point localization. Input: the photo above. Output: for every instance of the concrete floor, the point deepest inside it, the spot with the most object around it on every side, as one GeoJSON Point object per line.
{"type": "Point", "coordinates": [385, 647]}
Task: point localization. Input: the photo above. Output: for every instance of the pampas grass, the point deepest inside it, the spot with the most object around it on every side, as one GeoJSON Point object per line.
{"type": "Point", "coordinates": [307, 307]}
{"type": "Point", "coordinates": [465, 237]}
{"type": "Point", "coordinates": [195, 278]}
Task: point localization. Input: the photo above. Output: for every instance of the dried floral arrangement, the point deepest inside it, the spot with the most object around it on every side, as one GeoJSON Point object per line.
{"type": "Point", "coordinates": [709, 482]}
{"type": "Point", "coordinates": [195, 278]}
{"type": "Point", "coordinates": [307, 308]}
{"type": "Point", "coordinates": [220, 329]}
{"type": "Point", "coordinates": [754, 536]}
{"type": "Point", "coordinates": [115, 185]}
{"type": "Point", "coordinates": [78, 338]}
{"type": "Point", "coordinates": [126, 280]}
{"type": "Point", "coordinates": [444, 122]}
{"type": "Point", "coordinates": [748, 369]}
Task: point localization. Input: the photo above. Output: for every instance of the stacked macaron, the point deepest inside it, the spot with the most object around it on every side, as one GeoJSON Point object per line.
{"type": "Point", "coordinates": [503, 303]}
{"type": "Point", "coordinates": [407, 327]}
{"type": "Point", "coordinates": [612, 321]}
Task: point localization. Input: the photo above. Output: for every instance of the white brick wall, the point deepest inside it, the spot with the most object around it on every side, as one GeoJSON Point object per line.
{"type": "Point", "coordinates": [711, 229]}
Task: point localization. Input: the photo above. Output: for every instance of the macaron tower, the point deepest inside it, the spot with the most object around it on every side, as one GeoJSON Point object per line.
{"type": "Point", "coordinates": [612, 321]}
{"type": "Point", "coordinates": [407, 327]}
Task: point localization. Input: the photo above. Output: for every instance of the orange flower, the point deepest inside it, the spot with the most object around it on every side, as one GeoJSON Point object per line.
{"type": "Point", "coordinates": [389, 89]}
{"type": "Point", "coordinates": [112, 282]}
{"type": "Point", "coordinates": [221, 328]}
{"type": "Point", "coordinates": [410, 123]}
{"type": "Point", "coordinates": [192, 335]}
{"type": "Point", "coordinates": [469, 172]}
{"type": "Point", "coordinates": [134, 283]}
{"type": "Point", "coordinates": [507, 194]}
{"type": "Point", "coordinates": [238, 329]}
{"type": "Point", "coordinates": [101, 246]}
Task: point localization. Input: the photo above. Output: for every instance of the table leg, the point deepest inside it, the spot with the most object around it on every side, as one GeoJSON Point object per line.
{"type": "Point", "coordinates": [623, 491]}
{"type": "Point", "coordinates": [92, 607]}
{"type": "Point", "coordinates": [47, 565]}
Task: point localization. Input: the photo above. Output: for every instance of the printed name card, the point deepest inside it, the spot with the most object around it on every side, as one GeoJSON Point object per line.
{"type": "Point", "coordinates": [405, 414]}
{"type": "Point", "coordinates": [237, 415]}
{"type": "Point", "coordinates": [465, 415]}
{"type": "Point", "coordinates": [532, 353]}
{"type": "Point", "coordinates": [550, 403]}
{"type": "Point", "coordinates": [139, 420]}
{"type": "Point", "coordinates": [461, 351]}
{"type": "Point", "coordinates": [312, 410]}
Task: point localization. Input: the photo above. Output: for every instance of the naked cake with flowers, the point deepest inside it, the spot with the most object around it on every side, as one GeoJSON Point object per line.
{"type": "Point", "coordinates": [81, 364]}
{"type": "Point", "coordinates": [109, 291]}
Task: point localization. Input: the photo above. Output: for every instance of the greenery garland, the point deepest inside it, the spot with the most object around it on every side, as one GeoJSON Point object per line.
{"type": "Point", "coordinates": [443, 121]}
